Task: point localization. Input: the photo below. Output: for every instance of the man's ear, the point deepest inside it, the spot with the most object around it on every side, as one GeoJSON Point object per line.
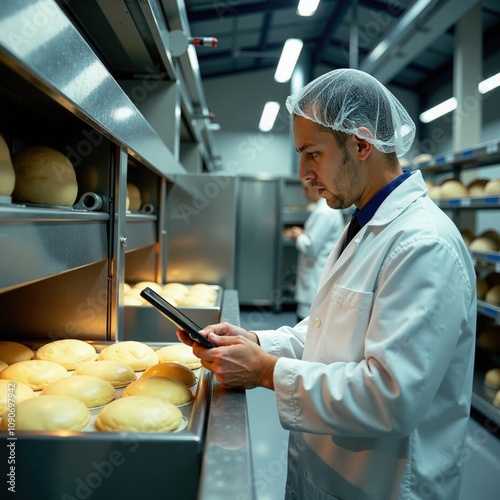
{"type": "Point", "coordinates": [363, 147]}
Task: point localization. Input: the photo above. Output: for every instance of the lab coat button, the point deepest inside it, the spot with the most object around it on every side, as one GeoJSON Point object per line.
{"type": "Point", "coordinates": [316, 322]}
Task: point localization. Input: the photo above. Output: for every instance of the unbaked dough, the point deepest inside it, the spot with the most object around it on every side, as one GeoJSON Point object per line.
{"type": "Point", "coordinates": [166, 389]}
{"type": "Point", "coordinates": [7, 174]}
{"type": "Point", "coordinates": [174, 371]}
{"type": "Point", "coordinates": [118, 374]}
{"type": "Point", "coordinates": [179, 353]}
{"type": "Point", "coordinates": [137, 355]}
{"type": "Point", "coordinates": [12, 391]}
{"type": "Point", "coordinates": [12, 352]}
{"type": "Point", "coordinates": [36, 373]}
{"type": "Point", "coordinates": [67, 352]}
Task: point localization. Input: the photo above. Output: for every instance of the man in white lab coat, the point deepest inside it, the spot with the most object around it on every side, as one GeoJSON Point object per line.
{"type": "Point", "coordinates": [375, 386]}
{"type": "Point", "coordinates": [314, 243]}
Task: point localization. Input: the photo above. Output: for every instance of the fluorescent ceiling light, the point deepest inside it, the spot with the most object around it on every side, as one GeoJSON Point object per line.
{"type": "Point", "coordinates": [269, 115]}
{"type": "Point", "coordinates": [307, 7]}
{"type": "Point", "coordinates": [288, 59]}
{"type": "Point", "coordinates": [489, 84]}
{"type": "Point", "coordinates": [439, 110]}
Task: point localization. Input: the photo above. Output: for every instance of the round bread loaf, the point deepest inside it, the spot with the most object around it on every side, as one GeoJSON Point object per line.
{"type": "Point", "coordinates": [139, 414]}
{"type": "Point", "coordinates": [3, 365]}
{"type": "Point", "coordinates": [195, 301]}
{"type": "Point", "coordinates": [13, 392]}
{"type": "Point", "coordinates": [67, 352]}
{"type": "Point", "coordinates": [453, 189]}
{"type": "Point", "coordinates": [492, 188]}
{"type": "Point", "coordinates": [151, 284]}
{"type": "Point", "coordinates": [36, 373]}
{"type": "Point", "coordinates": [176, 286]}
{"type": "Point", "coordinates": [172, 294]}
{"type": "Point", "coordinates": [422, 158]}
{"type": "Point", "coordinates": [476, 187]}
{"type": "Point", "coordinates": [130, 300]}
{"type": "Point", "coordinates": [483, 244]}
{"type": "Point", "coordinates": [496, 399]}
{"type": "Point", "coordinates": [118, 374]}
{"type": "Point", "coordinates": [44, 175]}
{"type": "Point", "coordinates": [12, 352]}
{"type": "Point", "coordinates": [434, 192]}
{"type": "Point", "coordinates": [173, 371]}
{"type": "Point", "coordinates": [492, 378]}
{"type": "Point", "coordinates": [493, 295]}
{"type": "Point", "coordinates": [49, 413]}
{"type": "Point", "coordinates": [134, 197]}
{"type": "Point", "coordinates": [166, 389]}
{"type": "Point", "coordinates": [137, 355]}
{"type": "Point", "coordinates": [7, 174]}
{"type": "Point", "coordinates": [468, 236]}
{"type": "Point", "coordinates": [179, 353]}
{"type": "Point", "coordinates": [91, 391]}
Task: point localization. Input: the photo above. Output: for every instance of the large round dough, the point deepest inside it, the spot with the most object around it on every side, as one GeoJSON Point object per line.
{"type": "Point", "coordinates": [137, 355]}
{"type": "Point", "coordinates": [483, 244]}
{"type": "Point", "coordinates": [118, 374]}
{"type": "Point", "coordinates": [134, 197]}
{"type": "Point", "coordinates": [139, 414]}
{"type": "Point", "coordinates": [453, 189]}
{"type": "Point", "coordinates": [49, 413]}
{"type": "Point", "coordinates": [492, 378]}
{"type": "Point", "coordinates": [173, 371]}
{"type": "Point", "coordinates": [179, 353]}
{"type": "Point", "coordinates": [91, 391]}
{"type": "Point", "coordinates": [492, 188]}
{"type": "Point", "coordinates": [12, 391]}
{"type": "Point", "coordinates": [141, 285]}
{"type": "Point", "coordinates": [493, 295]}
{"type": "Point", "coordinates": [3, 365]}
{"type": "Point", "coordinates": [36, 373]}
{"type": "Point", "coordinates": [166, 389]}
{"type": "Point", "coordinates": [7, 174]}
{"type": "Point", "coordinates": [67, 352]}
{"type": "Point", "coordinates": [44, 175]}
{"type": "Point", "coordinates": [13, 352]}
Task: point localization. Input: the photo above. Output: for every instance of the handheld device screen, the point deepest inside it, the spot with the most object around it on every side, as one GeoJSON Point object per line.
{"type": "Point", "coordinates": [175, 316]}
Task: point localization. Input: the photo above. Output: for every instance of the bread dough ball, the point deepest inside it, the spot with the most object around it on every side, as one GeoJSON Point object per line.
{"type": "Point", "coordinates": [434, 192]}
{"type": "Point", "coordinates": [422, 158]}
{"type": "Point", "coordinates": [172, 294]}
{"type": "Point", "coordinates": [404, 163]}
{"type": "Point", "coordinates": [176, 286]}
{"type": "Point", "coordinates": [482, 244]}
{"type": "Point", "coordinates": [492, 188]}
{"type": "Point", "coordinates": [137, 355]}
{"type": "Point", "coordinates": [67, 352]}
{"type": "Point", "coordinates": [134, 197]}
{"type": "Point", "coordinates": [151, 284]}
{"type": "Point", "coordinates": [468, 236]}
{"type": "Point", "coordinates": [7, 174]}
{"type": "Point", "coordinates": [130, 300]}
{"type": "Point", "coordinates": [179, 353]}
{"type": "Point", "coordinates": [492, 378]}
{"type": "Point", "coordinates": [126, 288]}
{"type": "Point", "coordinates": [118, 374]}
{"type": "Point", "coordinates": [36, 373]}
{"type": "Point", "coordinates": [3, 365]}
{"type": "Point", "coordinates": [488, 339]}
{"type": "Point", "coordinates": [12, 352]}
{"type": "Point", "coordinates": [173, 371]}
{"type": "Point", "coordinates": [166, 389]}
{"type": "Point", "coordinates": [50, 413]}
{"type": "Point", "coordinates": [452, 189]}
{"type": "Point", "coordinates": [496, 399]}
{"type": "Point", "coordinates": [493, 295]}
{"type": "Point", "coordinates": [139, 414]}
{"type": "Point", "coordinates": [195, 301]}
{"type": "Point", "coordinates": [481, 288]}
{"type": "Point", "coordinates": [14, 392]}
{"type": "Point", "coordinates": [476, 187]}
{"type": "Point", "coordinates": [44, 175]}
{"type": "Point", "coordinates": [91, 391]}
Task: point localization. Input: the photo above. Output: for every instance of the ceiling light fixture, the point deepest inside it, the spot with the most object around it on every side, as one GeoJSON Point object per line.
{"type": "Point", "coordinates": [489, 84]}
{"type": "Point", "coordinates": [307, 8]}
{"type": "Point", "coordinates": [439, 110]}
{"type": "Point", "coordinates": [269, 115]}
{"type": "Point", "coordinates": [288, 59]}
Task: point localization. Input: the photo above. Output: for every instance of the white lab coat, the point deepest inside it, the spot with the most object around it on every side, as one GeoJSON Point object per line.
{"type": "Point", "coordinates": [378, 406]}
{"type": "Point", "coordinates": [322, 230]}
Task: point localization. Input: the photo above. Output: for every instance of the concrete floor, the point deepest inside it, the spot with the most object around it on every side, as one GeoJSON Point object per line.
{"type": "Point", "coordinates": [481, 480]}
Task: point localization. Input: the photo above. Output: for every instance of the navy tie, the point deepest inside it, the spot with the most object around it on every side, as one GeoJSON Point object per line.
{"type": "Point", "coordinates": [352, 230]}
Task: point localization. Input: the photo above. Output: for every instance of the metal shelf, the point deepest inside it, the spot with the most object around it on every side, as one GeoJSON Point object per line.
{"type": "Point", "coordinates": [489, 310]}
{"type": "Point", "coordinates": [486, 258]}
{"type": "Point", "coordinates": [141, 231]}
{"type": "Point", "coordinates": [472, 202]}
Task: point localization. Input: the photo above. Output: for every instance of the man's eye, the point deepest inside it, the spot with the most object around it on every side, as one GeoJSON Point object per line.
{"type": "Point", "coordinates": [312, 154]}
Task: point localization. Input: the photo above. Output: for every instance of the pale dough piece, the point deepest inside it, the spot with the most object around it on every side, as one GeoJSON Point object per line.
{"type": "Point", "coordinates": [91, 391]}
{"type": "Point", "coordinates": [137, 355]}
{"type": "Point", "coordinates": [195, 301]}
{"type": "Point", "coordinates": [166, 389]}
{"type": "Point", "coordinates": [118, 374]}
{"type": "Point", "coordinates": [174, 371]}
{"type": "Point", "coordinates": [67, 352]}
{"type": "Point", "coordinates": [179, 353]}
{"type": "Point", "coordinates": [492, 378]}
{"type": "Point", "coordinates": [139, 414]}
{"type": "Point", "coordinates": [151, 284]}
{"type": "Point", "coordinates": [3, 365]}
{"type": "Point", "coordinates": [13, 392]}
{"type": "Point", "coordinates": [36, 373]}
{"type": "Point", "coordinates": [49, 413]}
{"type": "Point", "coordinates": [12, 352]}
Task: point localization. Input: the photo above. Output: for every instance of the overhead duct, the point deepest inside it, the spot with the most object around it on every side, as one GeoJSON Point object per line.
{"type": "Point", "coordinates": [417, 29]}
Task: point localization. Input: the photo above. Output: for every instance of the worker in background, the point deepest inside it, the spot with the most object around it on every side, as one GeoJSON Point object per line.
{"type": "Point", "coordinates": [314, 243]}
{"type": "Point", "coordinates": [375, 386]}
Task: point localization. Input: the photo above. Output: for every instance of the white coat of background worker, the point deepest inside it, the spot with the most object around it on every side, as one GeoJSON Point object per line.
{"type": "Point", "coordinates": [314, 243]}
{"type": "Point", "coordinates": [375, 385]}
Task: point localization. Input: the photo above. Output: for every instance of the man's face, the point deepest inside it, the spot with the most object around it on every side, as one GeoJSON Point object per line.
{"type": "Point", "coordinates": [330, 170]}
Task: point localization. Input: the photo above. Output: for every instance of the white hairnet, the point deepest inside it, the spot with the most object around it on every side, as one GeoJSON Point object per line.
{"type": "Point", "coordinates": [346, 99]}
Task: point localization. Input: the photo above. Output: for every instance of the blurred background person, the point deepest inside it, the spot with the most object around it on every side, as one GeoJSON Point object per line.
{"type": "Point", "coordinates": [314, 242]}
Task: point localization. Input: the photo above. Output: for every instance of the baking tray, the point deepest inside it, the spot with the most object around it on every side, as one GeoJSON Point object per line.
{"type": "Point", "coordinates": [101, 465]}
{"type": "Point", "coordinates": [146, 324]}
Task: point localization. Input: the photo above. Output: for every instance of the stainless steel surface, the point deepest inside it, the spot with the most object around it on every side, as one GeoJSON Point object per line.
{"type": "Point", "coordinates": [227, 472]}
{"type": "Point", "coordinates": [141, 231]}
{"type": "Point", "coordinates": [146, 324]}
{"type": "Point", "coordinates": [41, 242]}
{"type": "Point", "coordinates": [46, 56]}
{"type": "Point", "coordinates": [201, 230]}
{"type": "Point", "coordinates": [258, 236]}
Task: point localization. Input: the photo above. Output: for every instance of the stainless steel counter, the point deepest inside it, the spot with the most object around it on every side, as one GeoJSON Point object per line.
{"type": "Point", "coordinates": [227, 467]}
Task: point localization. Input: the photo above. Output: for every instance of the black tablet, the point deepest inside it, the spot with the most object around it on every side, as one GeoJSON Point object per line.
{"type": "Point", "coordinates": [176, 317]}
